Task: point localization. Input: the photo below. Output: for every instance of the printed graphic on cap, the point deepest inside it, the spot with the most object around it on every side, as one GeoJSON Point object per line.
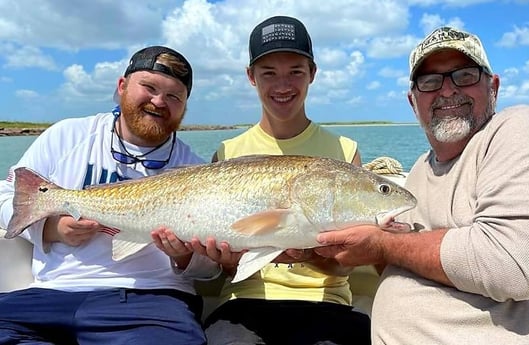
{"type": "Point", "coordinates": [275, 32]}
{"type": "Point", "coordinates": [444, 34]}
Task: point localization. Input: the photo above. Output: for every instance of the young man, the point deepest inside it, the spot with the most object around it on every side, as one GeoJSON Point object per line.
{"type": "Point", "coordinates": [303, 298]}
{"type": "Point", "coordinates": [80, 295]}
{"type": "Point", "coordinates": [461, 278]}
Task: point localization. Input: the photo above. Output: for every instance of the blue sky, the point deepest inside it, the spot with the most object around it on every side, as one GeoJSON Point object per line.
{"type": "Point", "coordinates": [62, 58]}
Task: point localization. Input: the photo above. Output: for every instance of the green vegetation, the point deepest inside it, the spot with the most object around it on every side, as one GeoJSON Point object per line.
{"type": "Point", "coordinates": [6, 124]}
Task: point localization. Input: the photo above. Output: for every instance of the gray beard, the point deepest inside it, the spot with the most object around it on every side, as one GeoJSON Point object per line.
{"type": "Point", "coordinates": [452, 129]}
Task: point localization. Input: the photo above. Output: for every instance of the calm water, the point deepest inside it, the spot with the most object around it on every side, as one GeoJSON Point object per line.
{"type": "Point", "coordinates": [404, 143]}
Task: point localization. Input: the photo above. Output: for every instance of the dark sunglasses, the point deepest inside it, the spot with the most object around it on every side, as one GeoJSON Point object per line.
{"type": "Point", "coordinates": [128, 158]}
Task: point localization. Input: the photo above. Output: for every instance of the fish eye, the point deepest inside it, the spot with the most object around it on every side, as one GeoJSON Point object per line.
{"type": "Point", "coordinates": [384, 188]}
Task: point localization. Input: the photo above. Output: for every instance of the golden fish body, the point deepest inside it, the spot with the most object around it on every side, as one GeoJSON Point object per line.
{"type": "Point", "coordinates": [262, 203]}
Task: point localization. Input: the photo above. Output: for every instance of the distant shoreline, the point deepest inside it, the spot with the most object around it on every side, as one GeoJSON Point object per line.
{"type": "Point", "coordinates": [35, 131]}
{"type": "Point", "coordinates": [8, 129]}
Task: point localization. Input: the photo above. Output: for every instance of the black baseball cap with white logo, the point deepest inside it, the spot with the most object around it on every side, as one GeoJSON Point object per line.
{"type": "Point", "coordinates": [279, 34]}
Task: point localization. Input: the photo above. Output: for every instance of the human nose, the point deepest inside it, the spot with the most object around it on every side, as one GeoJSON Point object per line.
{"type": "Point", "coordinates": [284, 83]}
{"type": "Point", "coordinates": [158, 100]}
{"type": "Point", "coordinates": [448, 87]}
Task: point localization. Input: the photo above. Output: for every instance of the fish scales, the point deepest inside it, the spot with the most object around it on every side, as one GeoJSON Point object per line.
{"type": "Point", "coordinates": [262, 203]}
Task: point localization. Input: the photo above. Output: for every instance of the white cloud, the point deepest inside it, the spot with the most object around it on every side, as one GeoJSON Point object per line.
{"type": "Point", "coordinates": [519, 36]}
{"type": "Point", "coordinates": [391, 46]}
{"type": "Point", "coordinates": [430, 22]}
{"type": "Point", "coordinates": [388, 72]}
{"type": "Point", "coordinates": [90, 87]}
{"type": "Point", "coordinates": [373, 85]}
{"type": "Point", "coordinates": [526, 66]}
{"type": "Point", "coordinates": [76, 50]}
{"type": "Point", "coordinates": [356, 63]}
{"type": "Point", "coordinates": [331, 57]}
{"type": "Point", "coordinates": [26, 94]}
{"type": "Point", "coordinates": [71, 25]}
{"type": "Point", "coordinates": [404, 81]}
{"type": "Point", "coordinates": [26, 56]}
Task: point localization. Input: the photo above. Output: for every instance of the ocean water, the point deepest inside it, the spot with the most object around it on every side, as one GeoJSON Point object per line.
{"type": "Point", "coordinates": [403, 142]}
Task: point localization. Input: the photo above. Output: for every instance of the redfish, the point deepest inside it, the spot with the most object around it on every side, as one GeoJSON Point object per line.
{"type": "Point", "coordinates": [264, 204]}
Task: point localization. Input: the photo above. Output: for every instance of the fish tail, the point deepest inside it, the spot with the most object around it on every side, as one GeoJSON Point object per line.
{"type": "Point", "coordinates": [29, 187]}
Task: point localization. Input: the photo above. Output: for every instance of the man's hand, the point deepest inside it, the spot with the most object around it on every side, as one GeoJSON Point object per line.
{"type": "Point", "coordinates": [355, 246]}
{"type": "Point", "coordinates": [167, 242]}
{"type": "Point", "coordinates": [67, 230]}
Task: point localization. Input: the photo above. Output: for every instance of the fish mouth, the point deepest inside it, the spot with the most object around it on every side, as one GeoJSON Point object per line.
{"type": "Point", "coordinates": [387, 218]}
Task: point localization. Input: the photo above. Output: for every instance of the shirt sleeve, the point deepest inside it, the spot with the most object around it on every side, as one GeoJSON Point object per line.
{"type": "Point", "coordinates": [490, 257]}
{"type": "Point", "coordinates": [200, 267]}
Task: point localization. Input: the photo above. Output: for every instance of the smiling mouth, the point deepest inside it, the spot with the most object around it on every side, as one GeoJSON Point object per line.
{"type": "Point", "coordinates": [282, 99]}
{"type": "Point", "coordinates": [453, 110]}
{"type": "Point", "coordinates": [153, 113]}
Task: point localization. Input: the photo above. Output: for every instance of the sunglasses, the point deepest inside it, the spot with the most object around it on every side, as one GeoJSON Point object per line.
{"type": "Point", "coordinates": [128, 158]}
{"type": "Point", "coordinates": [461, 77]}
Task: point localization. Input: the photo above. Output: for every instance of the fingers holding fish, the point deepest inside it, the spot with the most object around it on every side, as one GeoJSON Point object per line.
{"type": "Point", "coordinates": [398, 227]}
{"type": "Point", "coordinates": [68, 230]}
{"type": "Point", "coordinates": [165, 240]}
{"type": "Point", "coordinates": [220, 252]}
{"type": "Point", "coordinates": [354, 246]}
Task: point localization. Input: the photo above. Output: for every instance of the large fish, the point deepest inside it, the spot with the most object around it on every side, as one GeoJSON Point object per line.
{"type": "Point", "coordinates": [262, 203]}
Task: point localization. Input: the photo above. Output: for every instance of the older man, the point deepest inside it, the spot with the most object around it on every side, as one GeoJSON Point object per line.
{"type": "Point", "coordinates": [461, 276]}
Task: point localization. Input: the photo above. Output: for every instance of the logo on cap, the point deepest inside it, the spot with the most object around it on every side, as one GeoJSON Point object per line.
{"type": "Point", "coordinates": [279, 34]}
{"type": "Point", "coordinates": [275, 32]}
{"type": "Point", "coordinates": [449, 38]}
{"type": "Point", "coordinates": [441, 35]}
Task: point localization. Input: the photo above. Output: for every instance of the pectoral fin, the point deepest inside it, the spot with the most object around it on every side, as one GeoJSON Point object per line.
{"type": "Point", "coordinates": [264, 222]}
{"type": "Point", "coordinates": [253, 260]}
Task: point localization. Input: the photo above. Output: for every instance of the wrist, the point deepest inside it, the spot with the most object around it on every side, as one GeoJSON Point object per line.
{"type": "Point", "coordinates": [181, 262]}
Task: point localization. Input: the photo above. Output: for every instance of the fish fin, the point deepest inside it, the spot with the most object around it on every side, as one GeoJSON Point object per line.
{"type": "Point", "coordinates": [28, 186]}
{"type": "Point", "coordinates": [122, 249]}
{"type": "Point", "coordinates": [72, 211]}
{"type": "Point", "coordinates": [263, 222]}
{"type": "Point", "coordinates": [253, 260]}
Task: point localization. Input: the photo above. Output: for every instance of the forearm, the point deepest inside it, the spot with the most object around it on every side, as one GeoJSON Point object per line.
{"type": "Point", "coordinates": [49, 231]}
{"type": "Point", "coordinates": [418, 252]}
{"type": "Point", "coordinates": [198, 267]}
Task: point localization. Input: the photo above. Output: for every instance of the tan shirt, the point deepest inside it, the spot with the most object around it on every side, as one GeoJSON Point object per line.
{"type": "Point", "coordinates": [482, 196]}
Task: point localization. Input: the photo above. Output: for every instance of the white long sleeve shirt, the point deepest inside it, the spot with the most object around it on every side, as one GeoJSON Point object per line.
{"type": "Point", "coordinates": [74, 154]}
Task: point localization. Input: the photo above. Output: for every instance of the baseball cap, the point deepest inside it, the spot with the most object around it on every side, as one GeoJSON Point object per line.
{"type": "Point", "coordinates": [279, 34]}
{"type": "Point", "coordinates": [449, 38]}
{"type": "Point", "coordinates": [145, 60]}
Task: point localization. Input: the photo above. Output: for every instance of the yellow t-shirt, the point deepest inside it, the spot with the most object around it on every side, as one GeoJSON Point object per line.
{"type": "Point", "coordinates": [298, 281]}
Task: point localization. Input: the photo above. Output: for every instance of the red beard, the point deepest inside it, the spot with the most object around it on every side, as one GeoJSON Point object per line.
{"type": "Point", "coordinates": [148, 127]}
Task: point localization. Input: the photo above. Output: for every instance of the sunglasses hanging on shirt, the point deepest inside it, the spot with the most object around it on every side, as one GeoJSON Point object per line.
{"type": "Point", "coordinates": [128, 158]}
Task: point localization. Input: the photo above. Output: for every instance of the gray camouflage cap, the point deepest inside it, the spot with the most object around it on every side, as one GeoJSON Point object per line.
{"type": "Point", "coordinates": [449, 38]}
